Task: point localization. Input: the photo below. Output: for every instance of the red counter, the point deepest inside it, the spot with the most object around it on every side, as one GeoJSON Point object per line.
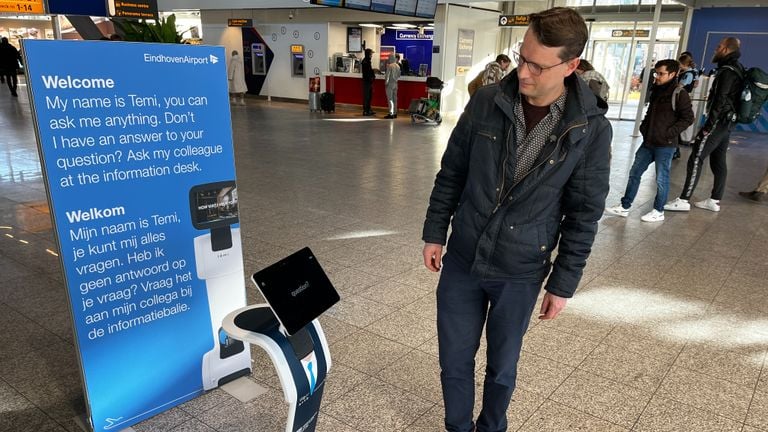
{"type": "Point", "coordinates": [349, 90]}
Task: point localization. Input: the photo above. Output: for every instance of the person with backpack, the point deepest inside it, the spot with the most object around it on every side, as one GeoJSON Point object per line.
{"type": "Point", "coordinates": [689, 79]}
{"type": "Point", "coordinates": [9, 64]}
{"type": "Point", "coordinates": [493, 73]}
{"type": "Point", "coordinates": [596, 81]}
{"type": "Point", "coordinates": [712, 139]}
{"type": "Point", "coordinates": [669, 113]}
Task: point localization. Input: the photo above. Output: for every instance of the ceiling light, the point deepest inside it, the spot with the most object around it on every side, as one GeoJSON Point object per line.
{"type": "Point", "coordinates": [404, 25]}
{"type": "Point", "coordinates": [369, 25]}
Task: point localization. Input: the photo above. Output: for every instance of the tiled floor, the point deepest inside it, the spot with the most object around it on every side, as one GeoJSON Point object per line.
{"type": "Point", "coordinates": [668, 332]}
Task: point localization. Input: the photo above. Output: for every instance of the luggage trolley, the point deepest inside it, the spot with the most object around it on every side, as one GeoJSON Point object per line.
{"type": "Point", "coordinates": [427, 110]}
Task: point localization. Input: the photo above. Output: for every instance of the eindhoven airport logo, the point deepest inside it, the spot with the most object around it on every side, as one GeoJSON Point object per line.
{"type": "Point", "coordinates": [161, 58]}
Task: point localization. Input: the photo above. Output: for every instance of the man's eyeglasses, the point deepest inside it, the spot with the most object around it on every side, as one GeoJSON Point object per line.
{"type": "Point", "coordinates": [656, 73]}
{"type": "Point", "coordinates": [535, 69]}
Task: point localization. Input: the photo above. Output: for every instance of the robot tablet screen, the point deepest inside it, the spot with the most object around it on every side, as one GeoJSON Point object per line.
{"type": "Point", "coordinates": [297, 289]}
{"type": "Point", "coordinates": [213, 205]}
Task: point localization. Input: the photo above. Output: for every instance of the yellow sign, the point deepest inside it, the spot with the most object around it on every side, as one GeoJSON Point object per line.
{"type": "Point", "coordinates": [297, 49]}
{"type": "Point", "coordinates": [22, 6]}
{"type": "Point", "coordinates": [514, 20]}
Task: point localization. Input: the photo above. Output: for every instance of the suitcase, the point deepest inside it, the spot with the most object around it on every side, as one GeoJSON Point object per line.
{"type": "Point", "coordinates": [328, 98]}
{"type": "Point", "coordinates": [328, 102]}
{"type": "Point", "coordinates": [314, 102]}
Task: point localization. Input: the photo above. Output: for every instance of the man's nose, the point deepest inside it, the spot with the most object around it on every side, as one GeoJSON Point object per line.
{"type": "Point", "coordinates": [522, 71]}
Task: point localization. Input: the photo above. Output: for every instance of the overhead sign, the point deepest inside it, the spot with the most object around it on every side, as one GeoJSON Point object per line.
{"type": "Point", "coordinates": [141, 182]}
{"type": "Point", "coordinates": [465, 46]}
{"type": "Point", "coordinates": [513, 20]}
{"type": "Point", "coordinates": [137, 9]}
{"type": "Point", "coordinates": [630, 33]}
{"type": "Point", "coordinates": [413, 35]}
{"type": "Point", "coordinates": [22, 7]}
{"type": "Point", "coordinates": [240, 22]}
{"type": "Point", "coordinates": [78, 7]}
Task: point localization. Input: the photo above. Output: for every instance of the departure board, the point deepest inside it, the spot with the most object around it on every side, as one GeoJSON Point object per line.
{"type": "Point", "coordinates": [426, 8]}
{"type": "Point", "coordinates": [386, 6]}
{"type": "Point", "coordinates": [405, 7]}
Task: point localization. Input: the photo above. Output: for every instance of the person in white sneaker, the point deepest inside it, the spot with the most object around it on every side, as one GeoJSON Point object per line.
{"type": "Point", "coordinates": [712, 139]}
{"type": "Point", "coordinates": [661, 128]}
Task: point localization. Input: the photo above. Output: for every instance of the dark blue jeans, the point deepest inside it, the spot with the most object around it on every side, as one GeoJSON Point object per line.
{"type": "Point", "coordinates": [643, 157]}
{"type": "Point", "coordinates": [464, 303]}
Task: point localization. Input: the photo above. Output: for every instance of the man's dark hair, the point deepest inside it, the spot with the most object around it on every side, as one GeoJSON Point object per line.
{"type": "Point", "coordinates": [560, 27]}
{"type": "Point", "coordinates": [671, 65]}
{"type": "Point", "coordinates": [585, 65]}
{"type": "Point", "coordinates": [503, 58]}
{"type": "Point", "coordinates": [4, 40]}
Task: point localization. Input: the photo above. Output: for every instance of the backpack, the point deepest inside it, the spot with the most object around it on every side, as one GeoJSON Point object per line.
{"type": "Point", "coordinates": [675, 95]}
{"type": "Point", "coordinates": [597, 84]}
{"type": "Point", "coordinates": [694, 82]}
{"type": "Point", "coordinates": [754, 94]}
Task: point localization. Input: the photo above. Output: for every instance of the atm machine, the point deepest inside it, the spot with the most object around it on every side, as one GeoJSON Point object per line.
{"type": "Point", "coordinates": [258, 59]}
{"type": "Point", "coordinates": [297, 60]}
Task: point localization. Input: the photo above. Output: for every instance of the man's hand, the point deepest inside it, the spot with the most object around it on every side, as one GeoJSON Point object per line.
{"type": "Point", "coordinates": [551, 306]}
{"type": "Point", "coordinates": [433, 256]}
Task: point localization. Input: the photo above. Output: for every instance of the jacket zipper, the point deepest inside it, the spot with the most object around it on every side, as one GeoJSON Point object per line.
{"type": "Point", "coordinates": [501, 200]}
{"type": "Point", "coordinates": [503, 169]}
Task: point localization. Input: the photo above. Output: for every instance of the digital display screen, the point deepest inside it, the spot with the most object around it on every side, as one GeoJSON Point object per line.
{"type": "Point", "coordinates": [405, 7]}
{"type": "Point", "coordinates": [337, 3]}
{"type": "Point", "coordinates": [426, 8]}
{"type": "Point", "coordinates": [386, 6]}
{"type": "Point", "coordinates": [297, 289]}
{"type": "Point", "coordinates": [358, 4]}
{"type": "Point", "coordinates": [214, 205]}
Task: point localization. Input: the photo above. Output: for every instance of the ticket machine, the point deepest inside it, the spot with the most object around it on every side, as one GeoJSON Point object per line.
{"type": "Point", "coordinates": [258, 59]}
{"type": "Point", "coordinates": [297, 60]}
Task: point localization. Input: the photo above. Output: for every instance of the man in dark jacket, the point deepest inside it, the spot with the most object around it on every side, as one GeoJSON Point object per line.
{"type": "Point", "coordinates": [9, 63]}
{"type": "Point", "coordinates": [661, 128]}
{"type": "Point", "coordinates": [525, 171]}
{"type": "Point", "coordinates": [368, 78]}
{"type": "Point", "coordinates": [712, 139]}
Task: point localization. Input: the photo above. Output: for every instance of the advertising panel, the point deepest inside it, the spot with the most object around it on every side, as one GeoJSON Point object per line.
{"type": "Point", "coordinates": [139, 168]}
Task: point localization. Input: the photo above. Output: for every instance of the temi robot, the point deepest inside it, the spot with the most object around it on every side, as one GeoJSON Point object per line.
{"type": "Point", "coordinates": [219, 261]}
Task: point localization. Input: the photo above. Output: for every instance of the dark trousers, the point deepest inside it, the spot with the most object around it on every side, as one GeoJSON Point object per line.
{"type": "Point", "coordinates": [464, 304]}
{"type": "Point", "coordinates": [715, 146]}
{"type": "Point", "coordinates": [367, 95]}
{"type": "Point", "coordinates": [12, 80]}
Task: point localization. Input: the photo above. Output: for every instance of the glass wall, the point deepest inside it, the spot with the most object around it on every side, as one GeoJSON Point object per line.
{"type": "Point", "coordinates": [620, 57]}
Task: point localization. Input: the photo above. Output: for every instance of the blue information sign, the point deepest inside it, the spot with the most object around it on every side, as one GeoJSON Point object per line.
{"type": "Point", "coordinates": [137, 153]}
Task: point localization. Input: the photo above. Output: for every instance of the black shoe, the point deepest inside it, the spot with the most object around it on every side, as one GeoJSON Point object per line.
{"type": "Point", "coordinates": [369, 113]}
{"type": "Point", "coordinates": [14, 94]}
{"type": "Point", "coordinates": [676, 155]}
{"type": "Point", "coordinates": [754, 196]}
{"type": "Point", "coordinates": [390, 116]}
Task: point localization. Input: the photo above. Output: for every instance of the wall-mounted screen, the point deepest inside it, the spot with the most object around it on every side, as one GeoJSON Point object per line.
{"type": "Point", "coordinates": [358, 4]}
{"type": "Point", "coordinates": [336, 3]}
{"type": "Point", "coordinates": [354, 39]}
{"type": "Point", "coordinates": [405, 7]}
{"type": "Point", "coordinates": [426, 8]}
{"type": "Point", "coordinates": [386, 6]}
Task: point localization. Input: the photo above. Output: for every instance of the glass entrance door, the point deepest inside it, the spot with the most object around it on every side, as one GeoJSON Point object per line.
{"type": "Point", "coordinates": [622, 65]}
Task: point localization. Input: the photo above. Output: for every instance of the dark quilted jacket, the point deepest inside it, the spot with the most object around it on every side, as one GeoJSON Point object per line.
{"type": "Point", "coordinates": [500, 230]}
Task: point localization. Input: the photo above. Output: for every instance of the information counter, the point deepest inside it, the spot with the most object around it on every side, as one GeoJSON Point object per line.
{"type": "Point", "coordinates": [349, 89]}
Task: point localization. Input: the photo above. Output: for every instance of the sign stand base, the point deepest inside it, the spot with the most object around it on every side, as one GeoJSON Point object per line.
{"type": "Point", "coordinates": [82, 422]}
{"type": "Point", "coordinates": [243, 389]}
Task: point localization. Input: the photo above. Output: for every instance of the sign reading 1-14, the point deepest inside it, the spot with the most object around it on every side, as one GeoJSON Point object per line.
{"type": "Point", "coordinates": [25, 6]}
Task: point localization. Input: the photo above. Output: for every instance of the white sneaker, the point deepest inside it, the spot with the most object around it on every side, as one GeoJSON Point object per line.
{"type": "Point", "coordinates": [708, 204]}
{"type": "Point", "coordinates": [617, 211]}
{"type": "Point", "coordinates": [678, 204]}
{"type": "Point", "coordinates": [653, 216]}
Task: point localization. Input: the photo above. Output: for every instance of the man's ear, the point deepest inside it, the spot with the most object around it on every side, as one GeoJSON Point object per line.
{"type": "Point", "coordinates": [571, 64]}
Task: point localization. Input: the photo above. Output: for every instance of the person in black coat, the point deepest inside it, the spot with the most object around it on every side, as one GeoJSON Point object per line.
{"type": "Point", "coordinates": [9, 63]}
{"type": "Point", "coordinates": [368, 78]}
{"type": "Point", "coordinates": [526, 171]}
{"type": "Point", "coordinates": [712, 140]}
